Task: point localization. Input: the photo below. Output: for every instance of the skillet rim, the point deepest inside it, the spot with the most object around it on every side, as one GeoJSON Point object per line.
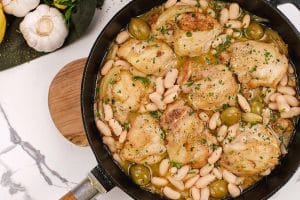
{"type": "Point", "coordinates": [85, 109]}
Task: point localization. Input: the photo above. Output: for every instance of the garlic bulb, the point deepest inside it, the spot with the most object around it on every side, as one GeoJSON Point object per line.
{"type": "Point", "coordinates": [19, 8]}
{"type": "Point", "coordinates": [44, 29]}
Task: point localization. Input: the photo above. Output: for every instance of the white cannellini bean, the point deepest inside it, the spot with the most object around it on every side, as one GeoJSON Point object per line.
{"type": "Point", "coordinates": [246, 21]}
{"type": "Point", "coordinates": [282, 104]}
{"type": "Point", "coordinates": [236, 34]}
{"type": "Point", "coordinates": [284, 80]}
{"type": "Point", "coordinates": [205, 181]}
{"type": "Point", "coordinates": [291, 100]}
{"type": "Point", "coordinates": [215, 156]}
{"type": "Point", "coordinates": [204, 117]}
{"type": "Point", "coordinates": [294, 111]}
{"type": "Point", "coordinates": [229, 177]}
{"type": "Point", "coordinates": [123, 136]}
{"type": "Point", "coordinates": [117, 158]}
{"type": "Point", "coordinates": [213, 121]}
{"type": "Point", "coordinates": [182, 172]}
{"type": "Point", "coordinates": [266, 114]}
{"type": "Point", "coordinates": [164, 167]}
{"type": "Point", "coordinates": [239, 180]}
{"type": "Point", "coordinates": [108, 112]}
{"type": "Point", "coordinates": [158, 181]}
{"type": "Point", "coordinates": [122, 37]}
{"type": "Point", "coordinates": [171, 90]}
{"type": "Point", "coordinates": [235, 24]}
{"type": "Point", "coordinates": [178, 184]}
{"type": "Point", "coordinates": [217, 172]}
{"type": "Point", "coordinates": [291, 69]}
{"type": "Point", "coordinates": [173, 170]}
{"type": "Point", "coordinates": [103, 128]}
{"type": "Point", "coordinates": [110, 142]}
{"type": "Point", "coordinates": [192, 173]}
{"type": "Point", "coordinates": [273, 96]}
{"type": "Point", "coordinates": [157, 99]}
{"type": "Point", "coordinates": [115, 126]}
{"type": "Point", "coordinates": [203, 4]}
{"type": "Point", "coordinates": [106, 67]}
{"type": "Point", "coordinates": [195, 193]}
{"type": "Point", "coordinates": [266, 173]}
{"type": "Point", "coordinates": [234, 11]}
{"type": "Point", "coordinates": [170, 78]}
{"type": "Point", "coordinates": [170, 193]}
{"type": "Point", "coordinates": [286, 90]}
{"type": "Point", "coordinates": [233, 190]}
{"type": "Point", "coordinates": [206, 169]}
{"type": "Point", "coordinates": [224, 16]}
{"type": "Point", "coordinates": [189, 2]}
{"type": "Point", "coordinates": [219, 40]}
{"type": "Point", "coordinates": [243, 103]}
{"type": "Point", "coordinates": [232, 130]}
{"type": "Point", "coordinates": [122, 63]}
{"type": "Point", "coordinates": [211, 12]}
{"type": "Point", "coordinates": [170, 3]}
{"type": "Point", "coordinates": [159, 85]}
{"type": "Point", "coordinates": [170, 98]}
{"type": "Point", "coordinates": [229, 31]}
{"type": "Point", "coordinates": [273, 106]}
{"type": "Point", "coordinates": [222, 132]}
{"type": "Point", "coordinates": [151, 107]}
{"type": "Point", "coordinates": [204, 193]}
{"type": "Point", "coordinates": [189, 183]}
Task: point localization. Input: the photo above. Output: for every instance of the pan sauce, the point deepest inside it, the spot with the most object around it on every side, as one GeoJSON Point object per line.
{"type": "Point", "coordinates": [196, 99]}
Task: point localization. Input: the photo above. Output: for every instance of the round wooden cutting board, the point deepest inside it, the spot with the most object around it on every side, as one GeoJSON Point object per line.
{"type": "Point", "coordinates": [64, 102]}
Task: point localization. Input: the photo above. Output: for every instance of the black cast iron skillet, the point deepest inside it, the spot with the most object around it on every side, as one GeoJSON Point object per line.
{"type": "Point", "coordinates": [107, 174]}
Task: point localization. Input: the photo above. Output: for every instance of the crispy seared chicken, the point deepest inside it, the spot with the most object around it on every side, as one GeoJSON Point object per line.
{"type": "Point", "coordinates": [144, 144]}
{"type": "Point", "coordinates": [254, 150]}
{"type": "Point", "coordinates": [148, 57]}
{"type": "Point", "coordinates": [190, 32]}
{"type": "Point", "coordinates": [208, 87]}
{"type": "Point", "coordinates": [257, 64]}
{"type": "Point", "coordinates": [187, 140]}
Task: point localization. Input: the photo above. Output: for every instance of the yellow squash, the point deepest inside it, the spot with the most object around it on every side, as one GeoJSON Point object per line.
{"type": "Point", "coordinates": [2, 23]}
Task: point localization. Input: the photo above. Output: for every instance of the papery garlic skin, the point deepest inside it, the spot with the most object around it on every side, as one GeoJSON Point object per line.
{"type": "Point", "coordinates": [44, 29]}
{"type": "Point", "coordinates": [19, 8]}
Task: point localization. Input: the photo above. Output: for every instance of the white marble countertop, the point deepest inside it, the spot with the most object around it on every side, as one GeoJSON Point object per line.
{"type": "Point", "coordinates": [36, 162]}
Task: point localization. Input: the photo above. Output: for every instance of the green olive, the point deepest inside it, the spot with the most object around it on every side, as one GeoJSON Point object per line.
{"type": "Point", "coordinates": [230, 116]}
{"type": "Point", "coordinates": [139, 29]}
{"type": "Point", "coordinates": [218, 189]}
{"type": "Point", "coordinates": [140, 174]}
{"type": "Point", "coordinates": [256, 107]}
{"type": "Point", "coordinates": [255, 31]}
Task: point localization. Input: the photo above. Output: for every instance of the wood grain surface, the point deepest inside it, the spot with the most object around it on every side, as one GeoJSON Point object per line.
{"type": "Point", "coordinates": [64, 102]}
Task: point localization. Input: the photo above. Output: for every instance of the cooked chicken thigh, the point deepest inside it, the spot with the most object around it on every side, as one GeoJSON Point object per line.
{"type": "Point", "coordinates": [148, 57]}
{"type": "Point", "coordinates": [144, 144]}
{"type": "Point", "coordinates": [187, 141]}
{"type": "Point", "coordinates": [251, 152]}
{"type": "Point", "coordinates": [189, 31]}
{"type": "Point", "coordinates": [208, 87]}
{"type": "Point", "coordinates": [257, 63]}
{"type": "Point", "coordinates": [127, 94]}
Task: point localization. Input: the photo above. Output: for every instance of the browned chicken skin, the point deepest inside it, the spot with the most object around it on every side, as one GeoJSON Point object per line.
{"type": "Point", "coordinates": [187, 141]}
{"type": "Point", "coordinates": [208, 87]}
{"type": "Point", "coordinates": [251, 152]}
{"type": "Point", "coordinates": [257, 63]}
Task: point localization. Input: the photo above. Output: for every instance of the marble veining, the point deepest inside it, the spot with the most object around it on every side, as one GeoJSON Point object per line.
{"type": "Point", "coordinates": [34, 153]}
{"type": "Point", "coordinates": [13, 187]}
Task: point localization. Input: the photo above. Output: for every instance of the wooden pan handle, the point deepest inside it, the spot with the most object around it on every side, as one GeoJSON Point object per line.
{"type": "Point", "coordinates": [86, 190]}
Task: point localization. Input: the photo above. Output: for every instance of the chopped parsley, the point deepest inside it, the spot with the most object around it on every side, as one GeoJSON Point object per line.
{"type": "Point", "coordinates": [175, 164]}
{"type": "Point", "coordinates": [155, 114]}
{"type": "Point", "coordinates": [146, 81]}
